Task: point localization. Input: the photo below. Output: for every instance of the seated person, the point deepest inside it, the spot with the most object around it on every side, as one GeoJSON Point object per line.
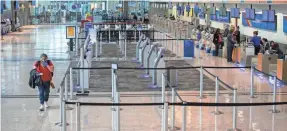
{"type": "Point", "coordinates": [275, 49]}
{"type": "Point", "coordinates": [256, 42]}
{"type": "Point", "coordinates": [265, 46]}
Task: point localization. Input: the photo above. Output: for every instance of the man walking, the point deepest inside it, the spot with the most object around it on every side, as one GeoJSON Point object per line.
{"type": "Point", "coordinates": [45, 68]}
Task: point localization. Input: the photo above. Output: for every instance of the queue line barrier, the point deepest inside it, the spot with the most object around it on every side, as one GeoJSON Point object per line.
{"type": "Point", "coordinates": [116, 98]}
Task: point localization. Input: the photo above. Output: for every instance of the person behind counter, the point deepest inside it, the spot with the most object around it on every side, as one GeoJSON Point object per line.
{"type": "Point", "coordinates": [237, 35]}
{"type": "Point", "coordinates": [217, 40]}
{"type": "Point", "coordinates": [256, 42]}
{"type": "Point", "coordinates": [276, 49]}
{"type": "Point", "coordinates": [230, 45]}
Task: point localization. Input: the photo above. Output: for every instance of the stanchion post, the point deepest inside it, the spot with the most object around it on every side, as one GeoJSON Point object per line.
{"type": "Point", "coordinates": [183, 109]}
{"type": "Point", "coordinates": [82, 71]}
{"type": "Point", "coordinates": [101, 43]}
{"type": "Point", "coordinates": [274, 110]}
{"type": "Point", "coordinates": [125, 47]}
{"type": "Point", "coordinates": [77, 43]}
{"type": "Point", "coordinates": [165, 117]}
{"type": "Point", "coordinates": [61, 107]}
{"type": "Point", "coordinates": [118, 112]}
{"type": "Point", "coordinates": [201, 84]}
{"type": "Point", "coordinates": [176, 46]}
{"type": "Point", "coordinates": [97, 49]}
{"type": "Point", "coordinates": [234, 112]}
{"type": "Point", "coordinates": [71, 84]}
{"type": "Point", "coordinates": [64, 114]}
{"type": "Point", "coordinates": [78, 116]}
{"type": "Point", "coordinates": [173, 109]}
{"type": "Point", "coordinates": [252, 83]}
{"type": "Point", "coordinates": [216, 112]}
{"type": "Point", "coordinates": [163, 88]}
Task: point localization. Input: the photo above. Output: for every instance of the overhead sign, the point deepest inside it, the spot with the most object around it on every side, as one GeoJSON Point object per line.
{"type": "Point", "coordinates": [88, 25]}
{"type": "Point", "coordinates": [71, 32]}
{"type": "Point", "coordinates": [259, 23]}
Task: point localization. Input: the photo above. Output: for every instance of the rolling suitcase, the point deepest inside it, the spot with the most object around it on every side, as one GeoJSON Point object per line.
{"type": "Point", "coordinates": [220, 53]}
{"type": "Point", "coordinates": [213, 52]}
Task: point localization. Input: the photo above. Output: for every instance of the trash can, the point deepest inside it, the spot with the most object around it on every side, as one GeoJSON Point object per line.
{"type": "Point", "coordinates": [172, 77]}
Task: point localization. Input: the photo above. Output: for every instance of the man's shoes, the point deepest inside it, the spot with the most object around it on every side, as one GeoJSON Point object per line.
{"type": "Point", "coordinates": [41, 108]}
{"type": "Point", "coordinates": [46, 105]}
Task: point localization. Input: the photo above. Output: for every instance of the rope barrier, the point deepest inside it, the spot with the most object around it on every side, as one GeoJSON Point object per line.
{"type": "Point", "coordinates": [167, 68]}
{"type": "Point", "coordinates": [179, 104]}
{"type": "Point", "coordinates": [227, 86]}
{"type": "Point", "coordinates": [269, 75]}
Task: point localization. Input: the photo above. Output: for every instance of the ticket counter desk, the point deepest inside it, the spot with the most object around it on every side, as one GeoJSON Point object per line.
{"type": "Point", "coordinates": [236, 54]}
{"type": "Point", "coordinates": [264, 61]}
{"type": "Point", "coordinates": [282, 70]}
{"type": "Point", "coordinates": [247, 55]}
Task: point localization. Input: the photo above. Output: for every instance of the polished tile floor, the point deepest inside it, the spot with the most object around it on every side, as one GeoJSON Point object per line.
{"type": "Point", "coordinates": [19, 103]}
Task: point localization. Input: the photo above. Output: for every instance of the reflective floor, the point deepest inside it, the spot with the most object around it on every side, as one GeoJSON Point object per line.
{"type": "Point", "coordinates": [19, 104]}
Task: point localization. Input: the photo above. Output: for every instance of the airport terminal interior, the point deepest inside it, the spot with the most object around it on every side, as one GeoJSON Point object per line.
{"type": "Point", "coordinates": [144, 65]}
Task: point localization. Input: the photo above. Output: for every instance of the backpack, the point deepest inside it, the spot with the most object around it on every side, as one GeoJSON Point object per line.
{"type": "Point", "coordinates": [48, 61]}
{"type": "Point", "coordinates": [220, 39]}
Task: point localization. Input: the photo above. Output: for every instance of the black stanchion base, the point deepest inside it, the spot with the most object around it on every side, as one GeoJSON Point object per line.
{"type": "Point", "coordinates": [253, 96]}
{"type": "Point", "coordinates": [79, 93]}
{"type": "Point", "coordinates": [216, 112]}
{"type": "Point", "coordinates": [234, 129]}
{"type": "Point", "coordinates": [201, 97]}
{"type": "Point", "coordinates": [274, 111]}
{"type": "Point", "coordinates": [174, 129]}
{"type": "Point", "coordinates": [60, 124]}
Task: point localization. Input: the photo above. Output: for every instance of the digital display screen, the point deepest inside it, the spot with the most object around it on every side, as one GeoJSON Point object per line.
{"type": "Point", "coordinates": [236, 12]}
{"type": "Point", "coordinates": [212, 10]}
{"type": "Point", "coordinates": [195, 9]}
{"type": "Point", "coordinates": [247, 13]}
{"type": "Point", "coordinates": [265, 14]}
{"type": "Point", "coordinates": [271, 15]}
{"type": "Point", "coordinates": [222, 11]}
{"type": "Point", "coordinates": [252, 14]}
{"type": "Point", "coordinates": [203, 9]}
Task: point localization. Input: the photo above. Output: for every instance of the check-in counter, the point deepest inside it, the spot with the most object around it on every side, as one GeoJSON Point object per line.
{"type": "Point", "coordinates": [282, 70]}
{"type": "Point", "coordinates": [236, 54]}
{"type": "Point", "coordinates": [247, 55]}
{"type": "Point", "coordinates": [264, 61]}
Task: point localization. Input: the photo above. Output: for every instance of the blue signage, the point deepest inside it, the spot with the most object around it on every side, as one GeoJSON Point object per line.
{"type": "Point", "coordinates": [217, 17]}
{"type": "Point", "coordinates": [265, 14]}
{"type": "Point", "coordinates": [259, 23]}
{"type": "Point", "coordinates": [188, 48]}
{"type": "Point", "coordinates": [33, 2]}
{"type": "Point", "coordinates": [88, 25]}
{"type": "Point", "coordinates": [285, 24]}
{"type": "Point", "coordinates": [201, 15]}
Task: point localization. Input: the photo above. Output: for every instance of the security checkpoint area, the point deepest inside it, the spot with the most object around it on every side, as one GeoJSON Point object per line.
{"type": "Point", "coordinates": [144, 66]}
